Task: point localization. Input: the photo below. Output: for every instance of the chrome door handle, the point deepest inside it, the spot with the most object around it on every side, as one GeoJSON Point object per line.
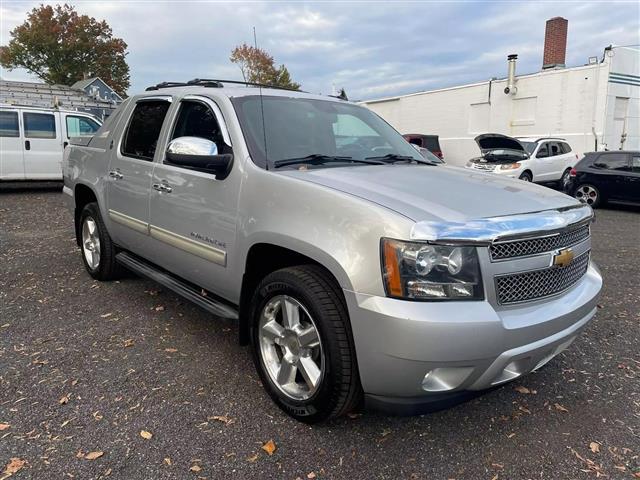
{"type": "Point", "coordinates": [115, 174]}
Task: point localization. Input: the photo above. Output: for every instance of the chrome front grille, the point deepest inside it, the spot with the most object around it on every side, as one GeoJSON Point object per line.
{"type": "Point", "coordinates": [533, 246]}
{"type": "Point", "coordinates": [526, 286]}
{"type": "Point", "coordinates": [484, 166]}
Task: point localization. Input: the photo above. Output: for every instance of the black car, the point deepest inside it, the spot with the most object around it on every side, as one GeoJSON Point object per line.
{"type": "Point", "coordinates": [606, 177]}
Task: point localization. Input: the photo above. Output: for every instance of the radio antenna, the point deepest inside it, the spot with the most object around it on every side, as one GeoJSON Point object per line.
{"type": "Point", "coordinates": [264, 127]}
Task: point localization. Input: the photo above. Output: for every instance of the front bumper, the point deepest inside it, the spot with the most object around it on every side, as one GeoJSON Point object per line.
{"type": "Point", "coordinates": [515, 173]}
{"type": "Point", "coordinates": [417, 353]}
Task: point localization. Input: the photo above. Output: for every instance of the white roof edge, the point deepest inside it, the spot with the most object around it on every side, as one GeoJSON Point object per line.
{"type": "Point", "coordinates": [485, 82]}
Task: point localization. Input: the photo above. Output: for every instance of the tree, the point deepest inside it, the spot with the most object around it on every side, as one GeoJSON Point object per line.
{"type": "Point", "coordinates": [257, 66]}
{"type": "Point", "coordinates": [60, 46]}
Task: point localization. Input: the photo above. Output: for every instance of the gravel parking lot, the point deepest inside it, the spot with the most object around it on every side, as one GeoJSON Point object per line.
{"type": "Point", "coordinates": [87, 367]}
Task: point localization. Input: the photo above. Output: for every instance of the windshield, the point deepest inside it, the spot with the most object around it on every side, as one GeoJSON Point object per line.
{"type": "Point", "coordinates": [302, 127]}
{"type": "Point", "coordinates": [529, 146]}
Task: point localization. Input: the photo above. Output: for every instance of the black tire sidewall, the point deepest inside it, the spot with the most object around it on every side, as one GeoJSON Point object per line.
{"type": "Point", "coordinates": [103, 271]}
{"type": "Point", "coordinates": [526, 175]}
{"type": "Point", "coordinates": [321, 404]}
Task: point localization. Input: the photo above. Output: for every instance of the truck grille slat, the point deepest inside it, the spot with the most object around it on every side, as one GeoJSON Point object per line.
{"type": "Point", "coordinates": [533, 246]}
{"type": "Point", "coordinates": [522, 287]}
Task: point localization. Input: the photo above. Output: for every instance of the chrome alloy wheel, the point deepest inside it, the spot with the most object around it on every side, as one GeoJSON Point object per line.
{"type": "Point", "coordinates": [91, 243]}
{"type": "Point", "coordinates": [291, 348]}
{"type": "Point", "coordinates": [587, 194]}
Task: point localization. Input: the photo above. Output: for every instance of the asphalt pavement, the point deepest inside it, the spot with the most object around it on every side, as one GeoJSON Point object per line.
{"type": "Point", "coordinates": [125, 380]}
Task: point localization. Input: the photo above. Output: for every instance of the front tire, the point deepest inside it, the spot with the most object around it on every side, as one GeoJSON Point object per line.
{"type": "Point", "coordinates": [302, 344]}
{"type": "Point", "coordinates": [526, 177]}
{"type": "Point", "coordinates": [98, 250]}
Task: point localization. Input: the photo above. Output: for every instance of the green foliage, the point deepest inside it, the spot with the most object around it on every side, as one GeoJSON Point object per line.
{"type": "Point", "coordinates": [258, 66]}
{"type": "Point", "coordinates": [60, 46]}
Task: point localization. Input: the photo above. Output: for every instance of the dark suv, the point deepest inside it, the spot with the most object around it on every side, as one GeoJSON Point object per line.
{"type": "Point", "coordinates": [606, 177]}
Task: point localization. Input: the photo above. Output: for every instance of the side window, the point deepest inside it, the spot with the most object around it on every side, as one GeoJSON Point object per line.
{"type": "Point", "coordinates": [565, 147]}
{"type": "Point", "coordinates": [612, 161]}
{"type": "Point", "coordinates": [543, 151]}
{"type": "Point", "coordinates": [9, 124]}
{"type": "Point", "coordinates": [143, 131]}
{"type": "Point", "coordinates": [80, 126]}
{"type": "Point", "coordinates": [196, 119]}
{"type": "Point", "coordinates": [39, 125]}
{"type": "Point", "coordinates": [635, 164]}
{"type": "Point", "coordinates": [555, 149]}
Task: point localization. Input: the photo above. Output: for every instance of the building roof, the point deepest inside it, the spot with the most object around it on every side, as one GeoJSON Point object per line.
{"type": "Point", "coordinates": [83, 84]}
{"type": "Point", "coordinates": [45, 95]}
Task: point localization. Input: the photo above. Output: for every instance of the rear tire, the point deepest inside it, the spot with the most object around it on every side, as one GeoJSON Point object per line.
{"type": "Point", "coordinates": [300, 332]}
{"type": "Point", "coordinates": [526, 177]}
{"type": "Point", "coordinates": [97, 248]}
{"type": "Point", "coordinates": [588, 194]}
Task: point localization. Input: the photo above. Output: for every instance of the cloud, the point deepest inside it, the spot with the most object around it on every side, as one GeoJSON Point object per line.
{"type": "Point", "coordinates": [371, 49]}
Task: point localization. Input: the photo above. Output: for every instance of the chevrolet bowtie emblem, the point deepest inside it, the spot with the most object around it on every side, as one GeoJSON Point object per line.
{"type": "Point", "coordinates": [563, 258]}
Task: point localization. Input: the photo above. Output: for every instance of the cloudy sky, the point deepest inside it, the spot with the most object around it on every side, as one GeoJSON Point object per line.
{"type": "Point", "coordinates": [372, 49]}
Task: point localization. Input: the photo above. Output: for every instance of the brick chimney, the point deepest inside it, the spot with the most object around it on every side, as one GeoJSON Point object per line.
{"type": "Point", "coordinates": [555, 43]}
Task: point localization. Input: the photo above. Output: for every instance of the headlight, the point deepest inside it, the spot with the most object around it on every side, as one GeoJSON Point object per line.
{"type": "Point", "coordinates": [510, 166]}
{"type": "Point", "coordinates": [419, 271]}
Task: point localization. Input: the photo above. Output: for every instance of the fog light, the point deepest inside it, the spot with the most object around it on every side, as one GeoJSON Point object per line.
{"type": "Point", "coordinates": [445, 379]}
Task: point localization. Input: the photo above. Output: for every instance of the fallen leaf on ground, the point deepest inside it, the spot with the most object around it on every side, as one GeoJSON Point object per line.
{"type": "Point", "coordinates": [311, 475]}
{"type": "Point", "coordinates": [159, 308]}
{"type": "Point", "coordinates": [64, 400]}
{"type": "Point", "coordinates": [594, 447]}
{"type": "Point", "coordinates": [106, 315]}
{"type": "Point", "coordinates": [4, 426]}
{"type": "Point", "coordinates": [15, 464]}
{"type": "Point", "coordinates": [222, 418]}
{"type": "Point", "coordinates": [522, 389]}
{"type": "Point", "coordinates": [171, 350]}
{"type": "Point", "coordinates": [196, 469]}
{"type": "Point", "coordinates": [146, 435]}
{"type": "Point", "coordinates": [560, 408]}
{"type": "Point", "coordinates": [129, 343]}
{"type": "Point", "coordinates": [269, 447]}
{"type": "Point", "coordinates": [167, 461]}
{"type": "Point", "coordinates": [252, 458]}
{"type": "Point", "coordinates": [93, 455]}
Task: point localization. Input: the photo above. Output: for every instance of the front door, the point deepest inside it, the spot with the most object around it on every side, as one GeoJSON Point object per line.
{"type": "Point", "coordinates": [42, 145]}
{"type": "Point", "coordinates": [11, 160]}
{"type": "Point", "coordinates": [193, 214]}
{"type": "Point", "coordinates": [632, 180]}
{"type": "Point", "coordinates": [613, 168]}
{"type": "Point", "coordinates": [130, 172]}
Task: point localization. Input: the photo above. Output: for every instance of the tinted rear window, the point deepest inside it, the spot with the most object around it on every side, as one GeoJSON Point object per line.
{"type": "Point", "coordinates": [612, 161]}
{"type": "Point", "coordinates": [9, 124]}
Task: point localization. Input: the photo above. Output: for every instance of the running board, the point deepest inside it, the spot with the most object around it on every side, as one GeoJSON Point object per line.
{"type": "Point", "coordinates": [177, 285]}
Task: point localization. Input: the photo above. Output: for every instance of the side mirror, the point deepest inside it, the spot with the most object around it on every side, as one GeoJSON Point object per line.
{"type": "Point", "coordinates": [198, 154]}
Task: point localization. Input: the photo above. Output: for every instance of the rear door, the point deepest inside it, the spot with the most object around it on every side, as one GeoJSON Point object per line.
{"type": "Point", "coordinates": [42, 145]}
{"type": "Point", "coordinates": [11, 146]}
{"type": "Point", "coordinates": [632, 180]}
{"type": "Point", "coordinates": [130, 171]}
{"type": "Point", "coordinates": [612, 169]}
{"type": "Point", "coordinates": [193, 215]}
{"type": "Point", "coordinates": [544, 163]}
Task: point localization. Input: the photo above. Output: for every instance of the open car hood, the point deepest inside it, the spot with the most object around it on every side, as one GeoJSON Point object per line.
{"type": "Point", "coordinates": [496, 141]}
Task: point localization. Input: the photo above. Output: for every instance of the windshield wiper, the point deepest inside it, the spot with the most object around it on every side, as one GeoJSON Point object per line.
{"type": "Point", "coordinates": [318, 159]}
{"type": "Point", "coordinates": [394, 157]}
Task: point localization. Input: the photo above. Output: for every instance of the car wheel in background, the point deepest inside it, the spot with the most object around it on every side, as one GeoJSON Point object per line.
{"type": "Point", "coordinates": [588, 194]}
{"type": "Point", "coordinates": [302, 344]}
{"type": "Point", "coordinates": [526, 177]}
{"type": "Point", "coordinates": [564, 180]}
{"type": "Point", "coordinates": [98, 251]}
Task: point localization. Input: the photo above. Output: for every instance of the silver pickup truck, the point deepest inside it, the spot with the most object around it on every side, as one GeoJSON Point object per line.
{"type": "Point", "coordinates": [358, 271]}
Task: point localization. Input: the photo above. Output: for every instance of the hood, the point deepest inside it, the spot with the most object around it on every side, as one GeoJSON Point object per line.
{"type": "Point", "coordinates": [495, 141]}
{"type": "Point", "coordinates": [436, 193]}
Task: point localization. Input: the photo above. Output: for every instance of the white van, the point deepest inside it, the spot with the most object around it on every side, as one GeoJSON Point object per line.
{"type": "Point", "coordinates": [32, 140]}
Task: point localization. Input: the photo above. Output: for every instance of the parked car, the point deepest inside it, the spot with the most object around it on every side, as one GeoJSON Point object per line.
{"type": "Point", "coordinates": [32, 140]}
{"type": "Point", "coordinates": [355, 269]}
{"type": "Point", "coordinates": [606, 177]}
{"type": "Point", "coordinates": [540, 160]}
{"type": "Point", "coordinates": [430, 142]}
{"type": "Point", "coordinates": [427, 155]}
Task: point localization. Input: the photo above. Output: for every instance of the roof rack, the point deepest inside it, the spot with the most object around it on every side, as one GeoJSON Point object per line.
{"type": "Point", "coordinates": [214, 83]}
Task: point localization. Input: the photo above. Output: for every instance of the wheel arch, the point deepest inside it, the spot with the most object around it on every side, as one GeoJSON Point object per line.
{"type": "Point", "coordinates": [82, 195]}
{"type": "Point", "coordinates": [266, 257]}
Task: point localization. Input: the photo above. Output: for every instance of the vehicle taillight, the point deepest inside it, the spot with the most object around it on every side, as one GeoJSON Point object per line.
{"type": "Point", "coordinates": [573, 172]}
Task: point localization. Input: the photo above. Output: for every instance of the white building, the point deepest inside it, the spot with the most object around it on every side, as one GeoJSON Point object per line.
{"type": "Point", "coordinates": [595, 106]}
